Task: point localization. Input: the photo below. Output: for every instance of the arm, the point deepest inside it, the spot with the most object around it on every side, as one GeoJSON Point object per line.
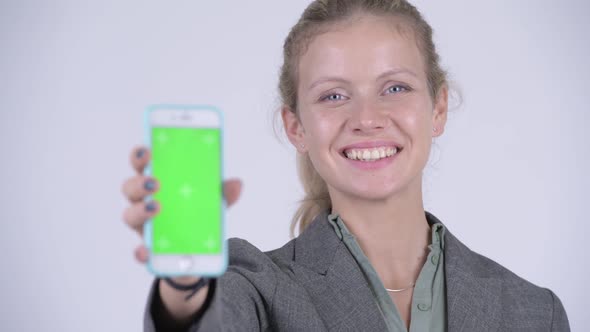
{"type": "Point", "coordinates": [172, 310]}
{"type": "Point", "coordinates": [240, 300]}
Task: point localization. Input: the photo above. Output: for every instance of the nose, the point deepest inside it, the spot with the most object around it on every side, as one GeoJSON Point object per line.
{"type": "Point", "coordinates": [368, 118]}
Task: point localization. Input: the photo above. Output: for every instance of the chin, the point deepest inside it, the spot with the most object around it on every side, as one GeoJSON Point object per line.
{"type": "Point", "coordinates": [377, 192]}
{"type": "Point", "coordinates": [374, 195]}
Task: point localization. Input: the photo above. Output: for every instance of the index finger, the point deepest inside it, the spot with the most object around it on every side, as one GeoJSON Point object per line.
{"type": "Point", "coordinates": [140, 157]}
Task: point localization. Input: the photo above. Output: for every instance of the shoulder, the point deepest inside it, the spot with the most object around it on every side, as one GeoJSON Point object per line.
{"type": "Point", "coordinates": [313, 248]}
{"type": "Point", "coordinates": [463, 263]}
{"type": "Point", "coordinates": [242, 252]}
{"type": "Point", "coordinates": [519, 300]}
{"type": "Point", "coordinates": [248, 262]}
{"type": "Point", "coordinates": [251, 273]}
{"type": "Point", "coordinates": [462, 260]}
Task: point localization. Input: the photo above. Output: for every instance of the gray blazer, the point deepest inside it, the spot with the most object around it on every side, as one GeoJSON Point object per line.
{"type": "Point", "coordinates": [313, 283]}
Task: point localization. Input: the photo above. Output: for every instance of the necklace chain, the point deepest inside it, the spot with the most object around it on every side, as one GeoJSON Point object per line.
{"type": "Point", "coordinates": [401, 289]}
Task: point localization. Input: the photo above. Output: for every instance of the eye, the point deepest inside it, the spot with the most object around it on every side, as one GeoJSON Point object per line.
{"type": "Point", "coordinates": [397, 88]}
{"type": "Point", "coordinates": [332, 97]}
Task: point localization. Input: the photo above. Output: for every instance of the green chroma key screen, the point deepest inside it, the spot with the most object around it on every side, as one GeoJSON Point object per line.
{"type": "Point", "coordinates": [187, 164]}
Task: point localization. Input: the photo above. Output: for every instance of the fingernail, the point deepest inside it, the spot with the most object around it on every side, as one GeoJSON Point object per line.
{"type": "Point", "coordinates": [140, 153]}
{"type": "Point", "coordinates": [151, 206]}
{"type": "Point", "coordinates": [149, 185]}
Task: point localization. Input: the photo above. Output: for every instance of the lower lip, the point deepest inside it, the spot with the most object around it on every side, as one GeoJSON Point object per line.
{"type": "Point", "coordinates": [372, 165]}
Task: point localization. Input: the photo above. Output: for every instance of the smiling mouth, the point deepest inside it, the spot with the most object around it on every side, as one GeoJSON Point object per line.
{"type": "Point", "coordinates": [371, 154]}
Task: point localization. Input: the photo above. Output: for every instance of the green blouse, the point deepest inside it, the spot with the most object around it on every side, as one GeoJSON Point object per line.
{"type": "Point", "coordinates": [428, 300]}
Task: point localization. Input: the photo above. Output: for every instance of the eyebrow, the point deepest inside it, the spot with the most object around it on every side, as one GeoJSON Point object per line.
{"type": "Point", "coordinates": [342, 80]}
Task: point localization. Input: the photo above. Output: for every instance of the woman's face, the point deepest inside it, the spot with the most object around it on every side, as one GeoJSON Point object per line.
{"type": "Point", "coordinates": [366, 117]}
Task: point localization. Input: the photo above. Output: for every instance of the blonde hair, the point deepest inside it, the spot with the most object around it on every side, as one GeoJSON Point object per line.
{"type": "Point", "coordinates": [318, 17]}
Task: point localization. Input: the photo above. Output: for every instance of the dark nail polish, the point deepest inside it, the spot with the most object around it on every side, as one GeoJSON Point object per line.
{"type": "Point", "coordinates": [149, 185]}
{"type": "Point", "coordinates": [150, 207]}
{"type": "Point", "coordinates": [140, 153]}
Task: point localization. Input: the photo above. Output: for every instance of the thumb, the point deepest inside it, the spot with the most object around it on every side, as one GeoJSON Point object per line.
{"type": "Point", "coordinates": [231, 190]}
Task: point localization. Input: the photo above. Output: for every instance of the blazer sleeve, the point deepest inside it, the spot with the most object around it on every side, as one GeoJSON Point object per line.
{"type": "Point", "coordinates": [241, 300]}
{"type": "Point", "coordinates": [559, 321]}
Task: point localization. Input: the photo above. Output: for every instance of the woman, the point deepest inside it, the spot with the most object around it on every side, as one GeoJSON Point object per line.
{"type": "Point", "coordinates": [363, 97]}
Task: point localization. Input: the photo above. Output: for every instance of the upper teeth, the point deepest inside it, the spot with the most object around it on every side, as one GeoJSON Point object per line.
{"type": "Point", "coordinates": [371, 154]}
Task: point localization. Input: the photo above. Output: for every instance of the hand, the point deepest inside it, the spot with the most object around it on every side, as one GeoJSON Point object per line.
{"type": "Point", "coordinates": [139, 186]}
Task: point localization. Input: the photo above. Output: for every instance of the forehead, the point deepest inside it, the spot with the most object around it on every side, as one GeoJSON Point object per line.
{"type": "Point", "coordinates": [363, 46]}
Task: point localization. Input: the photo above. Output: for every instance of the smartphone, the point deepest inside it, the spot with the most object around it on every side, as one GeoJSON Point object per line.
{"type": "Point", "coordinates": [187, 236]}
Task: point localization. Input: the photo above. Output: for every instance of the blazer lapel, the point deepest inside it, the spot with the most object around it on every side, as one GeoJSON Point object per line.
{"type": "Point", "coordinates": [345, 301]}
{"type": "Point", "coordinates": [336, 284]}
{"type": "Point", "coordinates": [473, 294]}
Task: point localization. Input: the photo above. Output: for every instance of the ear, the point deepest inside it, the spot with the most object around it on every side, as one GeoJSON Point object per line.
{"type": "Point", "coordinates": [293, 128]}
{"type": "Point", "coordinates": [439, 114]}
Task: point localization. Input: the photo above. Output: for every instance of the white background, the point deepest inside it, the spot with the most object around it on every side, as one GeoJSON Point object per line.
{"type": "Point", "coordinates": [509, 177]}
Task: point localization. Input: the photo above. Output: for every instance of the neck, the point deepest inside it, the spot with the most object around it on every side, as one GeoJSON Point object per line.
{"type": "Point", "coordinates": [393, 233]}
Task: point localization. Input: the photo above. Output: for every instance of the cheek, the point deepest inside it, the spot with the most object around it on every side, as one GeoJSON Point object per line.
{"type": "Point", "coordinates": [416, 117]}
{"type": "Point", "coordinates": [321, 127]}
